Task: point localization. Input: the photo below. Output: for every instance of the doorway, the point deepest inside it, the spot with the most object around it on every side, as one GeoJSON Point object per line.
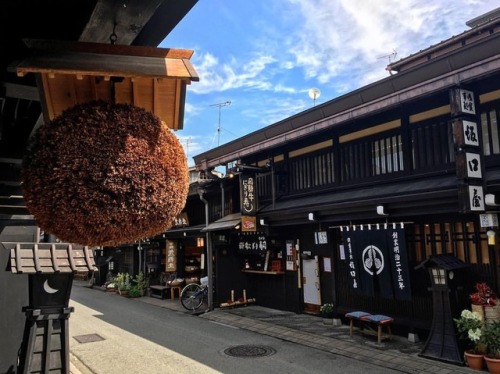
{"type": "Point", "coordinates": [311, 285]}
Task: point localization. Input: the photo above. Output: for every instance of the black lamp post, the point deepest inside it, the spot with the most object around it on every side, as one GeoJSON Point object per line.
{"type": "Point", "coordinates": [50, 268]}
{"type": "Point", "coordinates": [442, 341]}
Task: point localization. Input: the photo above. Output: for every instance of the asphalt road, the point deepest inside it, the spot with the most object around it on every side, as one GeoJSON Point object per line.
{"type": "Point", "coordinates": [112, 334]}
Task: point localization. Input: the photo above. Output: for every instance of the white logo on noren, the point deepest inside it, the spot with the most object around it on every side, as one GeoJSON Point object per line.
{"type": "Point", "coordinates": [373, 259]}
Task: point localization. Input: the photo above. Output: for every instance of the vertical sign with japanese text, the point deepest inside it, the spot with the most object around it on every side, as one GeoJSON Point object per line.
{"type": "Point", "coordinates": [248, 196]}
{"type": "Point", "coordinates": [468, 153]}
{"type": "Point", "coordinates": [171, 264]}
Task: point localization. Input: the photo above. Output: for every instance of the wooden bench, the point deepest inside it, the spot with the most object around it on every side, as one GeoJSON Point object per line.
{"type": "Point", "coordinates": [158, 291]}
{"type": "Point", "coordinates": [367, 321]}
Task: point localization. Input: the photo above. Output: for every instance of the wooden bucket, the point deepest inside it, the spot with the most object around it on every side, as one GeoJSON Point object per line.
{"type": "Point", "coordinates": [491, 313]}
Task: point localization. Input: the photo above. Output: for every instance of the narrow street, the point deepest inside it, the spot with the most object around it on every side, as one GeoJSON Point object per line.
{"type": "Point", "coordinates": [113, 334]}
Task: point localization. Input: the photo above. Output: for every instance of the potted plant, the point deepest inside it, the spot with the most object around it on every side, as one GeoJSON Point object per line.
{"type": "Point", "coordinates": [484, 301]}
{"type": "Point", "coordinates": [327, 312]}
{"type": "Point", "coordinates": [140, 283]}
{"type": "Point", "coordinates": [123, 284]}
{"type": "Point", "coordinates": [492, 340]}
{"type": "Point", "coordinates": [470, 329]}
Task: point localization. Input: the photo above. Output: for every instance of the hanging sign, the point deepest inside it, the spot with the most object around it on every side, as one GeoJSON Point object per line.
{"type": "Point", "coordinates": [171, 255]}
{"type": "Point", "coordinates": [468, 152]}
{"type": "Point", "coordinates": [252, 244]}
{"type": "Point", "coordinates": [291, 256]}
{"type": "Point", "coordinates": [377, 263]}
{"type": "Point", "coordinates": [248, 223]}
{"type": "Point", "coordinates": [181, 220]}
{"type": "Point", "coordinates": [248, 197]}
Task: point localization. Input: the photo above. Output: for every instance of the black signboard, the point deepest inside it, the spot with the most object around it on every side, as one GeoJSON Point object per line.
{"type": "Point", "coordinates": [252, 243]}
{"type": "Point", "coordinates": [248, 197]}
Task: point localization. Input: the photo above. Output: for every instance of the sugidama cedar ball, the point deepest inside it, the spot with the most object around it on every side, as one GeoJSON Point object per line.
{"type": "Point", "coordinates": [104, 174]}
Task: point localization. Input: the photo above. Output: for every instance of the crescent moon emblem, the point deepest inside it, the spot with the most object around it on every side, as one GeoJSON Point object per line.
{"type": "Point", "coordinates": [47, 288]}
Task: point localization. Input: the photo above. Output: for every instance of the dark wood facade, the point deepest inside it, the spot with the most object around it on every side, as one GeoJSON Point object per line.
{"type": "Point", "coordinates": [389, 144]}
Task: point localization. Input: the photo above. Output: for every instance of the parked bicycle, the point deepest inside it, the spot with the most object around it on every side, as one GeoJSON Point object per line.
{"type": "Point", "coordinates": [194, 295]}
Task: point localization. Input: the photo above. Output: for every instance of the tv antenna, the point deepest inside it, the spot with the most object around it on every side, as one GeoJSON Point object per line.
{"type": "Point", "coordinates": [391, 56]}
{"type": "Point", "coordinates": [220, 105]}
{"type": "Point", "coordinates": [314, 93]}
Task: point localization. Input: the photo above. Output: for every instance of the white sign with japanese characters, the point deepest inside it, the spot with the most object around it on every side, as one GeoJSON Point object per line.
{"type": "Point", "coordinates": [476, 198]}
{"type": "Point", "coordinates": [467, 102]}
{"type": "Point", "coordinates": [470, 133]}
{"type": "Point", "coordinates": [473, 161]}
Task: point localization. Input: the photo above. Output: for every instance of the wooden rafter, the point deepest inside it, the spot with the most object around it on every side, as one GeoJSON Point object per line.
{"type": "Point", "coordinates": [71, 73]}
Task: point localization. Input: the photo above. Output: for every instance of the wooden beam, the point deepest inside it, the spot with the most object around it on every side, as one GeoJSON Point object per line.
{"type": "Point", "coordinates": [126, 20]}
{"type": "Point", "coordinates": [107, 49]}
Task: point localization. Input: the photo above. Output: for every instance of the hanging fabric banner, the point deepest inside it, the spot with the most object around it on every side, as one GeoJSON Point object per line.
{"type": "Point", "coordinates": [399, 264]}
{"type": "Point", "coordinates": [378, 263]}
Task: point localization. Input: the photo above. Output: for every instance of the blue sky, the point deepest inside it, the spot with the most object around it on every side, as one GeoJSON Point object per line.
{"type": "Point", "coordinates": [265, 56]}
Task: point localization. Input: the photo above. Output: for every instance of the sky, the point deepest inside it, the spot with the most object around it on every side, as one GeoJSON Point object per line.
{"type": "Point", "coordinates": [258, 60]}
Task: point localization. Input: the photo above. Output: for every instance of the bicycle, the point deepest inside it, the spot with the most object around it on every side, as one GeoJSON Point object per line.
{"type": "Point", "coordinates": [194, 295]}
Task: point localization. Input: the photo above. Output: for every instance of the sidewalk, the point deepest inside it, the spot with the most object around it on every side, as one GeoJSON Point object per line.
{"type": "Point", "coordinates": [308, 330]}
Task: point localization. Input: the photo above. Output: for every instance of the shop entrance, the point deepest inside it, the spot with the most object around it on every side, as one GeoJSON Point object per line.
{"type": "Point", "coordinates": [311, 285]}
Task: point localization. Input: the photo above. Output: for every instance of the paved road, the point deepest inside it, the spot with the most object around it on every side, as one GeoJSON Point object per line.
{"type": "Point", "coordinates": [112, 334]}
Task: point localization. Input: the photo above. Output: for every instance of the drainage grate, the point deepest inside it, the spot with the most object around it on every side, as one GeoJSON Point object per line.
{"type": "Point", "coordinates": [250, 351]}
{"type": "Point", "coordinates": [89, 338]}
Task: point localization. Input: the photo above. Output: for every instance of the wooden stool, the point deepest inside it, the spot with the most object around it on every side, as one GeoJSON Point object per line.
{"type": "Point", "coordinates": [353, 316]}
{"type": "Point", "coordinates": [380, 320]}
{"type": "Point", "coordinates": [172, 291]}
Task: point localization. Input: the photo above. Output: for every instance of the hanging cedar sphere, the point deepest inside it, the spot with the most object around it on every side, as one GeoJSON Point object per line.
{"type": "Point", "coordinates": [105, 174]}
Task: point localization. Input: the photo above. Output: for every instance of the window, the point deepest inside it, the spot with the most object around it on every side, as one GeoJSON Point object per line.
{"type": "Point", "coordinates": [489, 127]}
{"type": "Point", "coordinates": [370, 157]}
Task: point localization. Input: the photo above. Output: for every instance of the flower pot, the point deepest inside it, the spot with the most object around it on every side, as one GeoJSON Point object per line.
{"type": "Point", "coordinates": [493, 364]}
{"type": "Point", "coordinates": [479, 309]}
{"type": "Point", "coordinates": [328, 318]}
{"type": "Point", "coordinates": [474, 361]}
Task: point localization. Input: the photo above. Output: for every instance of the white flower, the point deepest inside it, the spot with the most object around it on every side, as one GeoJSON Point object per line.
{"type": "Point", "coordinates": [474, 334]}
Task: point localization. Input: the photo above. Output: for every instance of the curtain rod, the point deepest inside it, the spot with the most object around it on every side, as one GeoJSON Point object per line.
{"type": "Point", "coordinates": [369, 226]}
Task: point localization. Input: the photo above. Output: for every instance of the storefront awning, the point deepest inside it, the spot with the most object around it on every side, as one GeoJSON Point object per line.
{"type": "Point", "coordinates": [179, 231]}
{"type": "Point", "coordinates": [228, 222]}
{"type": "Point", "coordinates": [414, 194]}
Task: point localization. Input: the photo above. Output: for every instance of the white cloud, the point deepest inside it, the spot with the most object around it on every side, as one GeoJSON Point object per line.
{"type": "Point", "coordinates": [218, 76]}
{"type": "Point", "coordinates": [335, 37]}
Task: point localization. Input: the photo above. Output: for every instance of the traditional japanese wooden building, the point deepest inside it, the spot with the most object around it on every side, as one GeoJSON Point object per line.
{"type": "Point", "coordinates": [342, 202]}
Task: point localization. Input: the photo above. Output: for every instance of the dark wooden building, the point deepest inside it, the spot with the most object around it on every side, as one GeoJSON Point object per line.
{"type": "Point", "coordinates": [340, 203]}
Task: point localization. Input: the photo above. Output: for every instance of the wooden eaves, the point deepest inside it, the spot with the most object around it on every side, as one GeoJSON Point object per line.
{"type": "Point", "coordinates": [71, 73]}
{"type": "Point", "coordinates": [46, 258]}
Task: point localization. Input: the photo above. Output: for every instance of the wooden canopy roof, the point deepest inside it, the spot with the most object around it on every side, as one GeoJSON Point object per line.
{"type": "Point", "coordinates": [71, 73]}
{"type": "Point", "coordinates": [36, 258]}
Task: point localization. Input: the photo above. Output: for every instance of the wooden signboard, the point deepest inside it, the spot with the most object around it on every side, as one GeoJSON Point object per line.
{"type": "Point", "coordinates": [171, 255]}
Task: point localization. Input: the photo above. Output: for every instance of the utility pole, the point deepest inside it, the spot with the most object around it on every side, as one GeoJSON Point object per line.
{"type": "Point", "coordinates": [188, 140]}
{"type": "Point", "coordinates": [220, 105]}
